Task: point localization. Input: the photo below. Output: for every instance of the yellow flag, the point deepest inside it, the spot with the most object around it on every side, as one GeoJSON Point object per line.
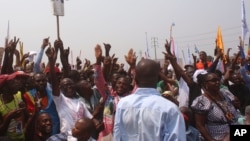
{"type": "Point", "coordinates": [220, 45]}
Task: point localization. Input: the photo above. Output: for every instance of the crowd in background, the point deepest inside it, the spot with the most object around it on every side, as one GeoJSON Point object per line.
{"type": "Point", "coordinates": [87, 101]}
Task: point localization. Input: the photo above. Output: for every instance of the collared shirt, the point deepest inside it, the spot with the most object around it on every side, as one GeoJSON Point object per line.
{"type": "Point", "coordinates": [146, 116]}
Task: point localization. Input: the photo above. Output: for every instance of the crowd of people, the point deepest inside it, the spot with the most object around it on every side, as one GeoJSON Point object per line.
{"type": "Point", "coordinates": [101, 101]}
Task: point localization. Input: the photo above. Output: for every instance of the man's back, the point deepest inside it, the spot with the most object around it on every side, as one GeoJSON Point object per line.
{"type": "Point", "coordinates": [146, 116]}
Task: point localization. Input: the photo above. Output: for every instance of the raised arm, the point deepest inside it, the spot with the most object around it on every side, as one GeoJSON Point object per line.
{"type": "Point", "coordinates": [64, 54]}
{"type": "Point", "coordinates": [39, 57]}
{"type": "Point", "coordinates": [219, 54]}
{"type": "Point", "coordinates": [50, 52]}
{"type": "Point", "coordinates": [107, 63]}
{"type": "Point", "coordinates": [8, 57]}
{"type": "Point", "coordinates": [99, 79]}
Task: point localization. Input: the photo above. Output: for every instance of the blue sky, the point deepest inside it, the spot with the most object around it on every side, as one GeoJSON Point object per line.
{"type": "Point", "coordinates": [124, 24]}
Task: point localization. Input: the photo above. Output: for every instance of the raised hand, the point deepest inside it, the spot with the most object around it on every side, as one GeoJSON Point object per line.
{"type": "Point", "coordinates": [98, 53]}
{"type": "Point", "coordinates": [168, 47]}
{"type": "Point", "coordinates": [169, 56]}
{"type": "Point", "coordinates": [50, 53]}
{"type": "Point", "coordinates": [78, 61]}
{"type": "Point", "coordinates": [26, 55]}
{"type": "Point", "coordinates": [194, 57]}
{"type": "Point", "coordinates": [15, 113]}
{"type": "Point", "coordinates": [26, 61]}
{"type": "Point", "coordinates": [66, 52]}
{"type": "Point", "coordinates": [107, 48]}
{"type": "Point", "coordinates": [12, 45]}
{"type": "Point", "coordinates": [45, 42]}
{"type": "Point", "coordinates": [131, 57]}
{"type": "Point", "coordinates": [58, 44]}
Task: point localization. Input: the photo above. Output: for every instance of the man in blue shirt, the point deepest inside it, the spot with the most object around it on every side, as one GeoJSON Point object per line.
{"type": "Point", "coordinates": [146, 115]}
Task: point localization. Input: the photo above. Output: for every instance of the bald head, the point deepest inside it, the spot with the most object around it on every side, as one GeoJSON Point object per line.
{"type": "Point", "coordinates": [83, 129]}
{"type": "Point", "coordinates": [147, 73]}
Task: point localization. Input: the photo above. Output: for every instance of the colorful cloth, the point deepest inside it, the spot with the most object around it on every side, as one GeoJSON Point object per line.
{"type": "Point", "coordinates": [15, 128]}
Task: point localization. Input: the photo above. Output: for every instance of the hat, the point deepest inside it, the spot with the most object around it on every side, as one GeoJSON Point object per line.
{"type": "Point", "coordinates": [197, 72]}
{"type": "Point", "coordinates": [17, 73]}
{"type": "Point", "coordinates": [47, 69]}
{"type": "Point", "coordinates": [6, 77]}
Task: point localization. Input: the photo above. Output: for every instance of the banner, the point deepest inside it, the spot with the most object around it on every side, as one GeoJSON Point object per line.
{"type": "Point", "coordinates": [58, 7]}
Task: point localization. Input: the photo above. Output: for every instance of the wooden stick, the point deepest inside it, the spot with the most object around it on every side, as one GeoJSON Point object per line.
{"type": "Point", "coordinates": [58, 31]}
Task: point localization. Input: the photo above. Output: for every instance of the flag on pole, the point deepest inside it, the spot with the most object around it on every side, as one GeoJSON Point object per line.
{"type": "Point", "coordinates": [220, 45]}
{"type": "Point", "coordinates": [241, 48]}
{"type": "Point", "coordinates": [219, 42]}
{"type": "Point", "coordinates": [243, 20]}
{"type": "Point", "coordinates": [58, 7]}
{"type": "Point", "coordinates": [196, 49]}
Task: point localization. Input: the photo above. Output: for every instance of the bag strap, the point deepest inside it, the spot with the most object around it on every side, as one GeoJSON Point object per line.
{"type": "Point", "coordinates": [227, 115]}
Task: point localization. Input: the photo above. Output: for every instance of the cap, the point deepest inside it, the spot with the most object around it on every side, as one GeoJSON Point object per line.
{"type": "Point", "coordinates": [47, 69]}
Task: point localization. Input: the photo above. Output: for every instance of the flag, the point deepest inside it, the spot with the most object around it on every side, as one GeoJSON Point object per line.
{"type": "Point", "coordinates": [58, 7]}
{"type": "Point", "coordinates": [196, 49]}
{"type": "Point", "coordinates": [220, 45]}
{"type": "Point", "coordinates": [220, 66]}
{"type": "Point", "coordinates": [241, 48]}
{"type": "Point", "coordinates": [243, 20]}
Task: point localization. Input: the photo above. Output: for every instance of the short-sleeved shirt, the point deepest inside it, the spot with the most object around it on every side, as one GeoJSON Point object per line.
{"type": "Point", "coordinates": [200, 65]}
{"type": "Point", "coordinates": [69, 111]}
{"type": "Point", "coordinates": [216, 123]}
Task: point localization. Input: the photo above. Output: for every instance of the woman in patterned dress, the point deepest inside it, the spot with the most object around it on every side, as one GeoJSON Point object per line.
{"type": "Point", "coordinates": [214, 111]}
